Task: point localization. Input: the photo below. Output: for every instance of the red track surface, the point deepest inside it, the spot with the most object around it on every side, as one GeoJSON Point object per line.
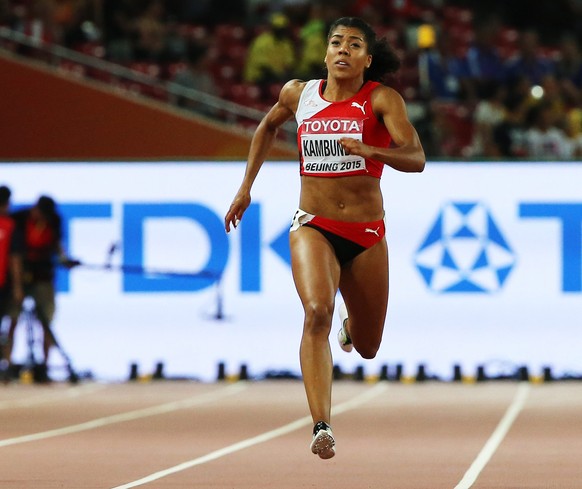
{"type": "Point", "coordinates": [421, 436]}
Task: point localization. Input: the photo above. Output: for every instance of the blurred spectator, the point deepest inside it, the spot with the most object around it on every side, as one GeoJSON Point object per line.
{"type": "Point", "coordinates": [543, 140]}
{"type": "Point", "coordinates": [509, 134]}
{"type": "Point", "coordinates": [195, 76]}
{"type": "Point", "coordinates": [554, 98]}
{"type": "Point", "coordinates": [36, 21]}
{"type": "Point", "coordinates": [482, 63]}
{"type": "Point", "coordinates": [440, 70]}
{"type": "Point", "coordinates": [63, 13]}
{"type": "Point", "coordinates": [489, 112]}
{"type": "Point", "coordinates": [151, 33]}
{"type": "Point", "coordinates": [521, 89]}
{"type": "Point", "coordinates": [119, 30]}
{"type": "Point", "coordinates": [573, 129]}
{"type": "Point", "coordinates": [176, 45]}
{"type": "Point", "coordinates": [529, 61]}
{"type": "Point", "coordinates": [313, 36]}
{"type": "Point", "coordinates": [271, 55]}
{"type": "Point", "coordinates": [79, 27]}
{"type": "Point", "coordinates": [450, 124]}
{"type": "Point", "coordinates": [568, 69]}
{"type": "Point", "coordinates": [37, 236]}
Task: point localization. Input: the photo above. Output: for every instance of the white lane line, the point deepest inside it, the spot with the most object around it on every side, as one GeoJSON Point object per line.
{"type": "Point", "coordinates": [496, 438]}
{"type": "Point", "coordinates": [249, 442]}
{"type": "Point", "coordinates": [52, 396]}
{"type": "Point", "coordinates": [128, 416]}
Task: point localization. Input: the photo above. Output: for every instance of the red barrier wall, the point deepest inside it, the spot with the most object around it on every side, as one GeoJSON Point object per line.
{"type": "Point", "coordinates": [47, 115]}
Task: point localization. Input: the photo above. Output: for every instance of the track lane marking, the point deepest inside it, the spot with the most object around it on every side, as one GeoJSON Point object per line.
{"type": "Point", "coordinates": [128, 416]}
{"type": "Point", "coordinates": [264, 437]}
{"type": "Point", "coordinates": [496, 437]}
{"type": "Point", "coordinates": [53, 396]}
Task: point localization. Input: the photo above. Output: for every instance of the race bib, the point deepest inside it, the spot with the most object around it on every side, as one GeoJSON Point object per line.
{"type": "Point", "coordinates": [321, 149]}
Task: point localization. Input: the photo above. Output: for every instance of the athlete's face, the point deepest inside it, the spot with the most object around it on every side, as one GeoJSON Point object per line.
{"type": "Point", "coordinates": [347, 53]}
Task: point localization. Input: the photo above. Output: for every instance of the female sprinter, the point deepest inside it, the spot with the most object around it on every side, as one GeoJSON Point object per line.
{"type": "Point", "coordinates": [346, 124]}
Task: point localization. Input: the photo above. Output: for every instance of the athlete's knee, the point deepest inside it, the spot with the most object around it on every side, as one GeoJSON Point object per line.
{"type": "Point", "coordinates": [318, 316]}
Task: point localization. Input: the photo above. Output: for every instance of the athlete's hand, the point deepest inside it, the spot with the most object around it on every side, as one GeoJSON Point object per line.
{"type": "Point", "coordinates": [236, 210]}
{"type": "Point", "coordinates": [354, 147]}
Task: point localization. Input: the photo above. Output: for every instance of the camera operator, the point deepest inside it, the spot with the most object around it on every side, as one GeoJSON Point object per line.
{"type": "Point", "coordinates": [37, 241]}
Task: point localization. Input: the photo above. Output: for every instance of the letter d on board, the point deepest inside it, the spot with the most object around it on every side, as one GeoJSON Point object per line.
{"type": "Point", "coordinates": [134, 216]}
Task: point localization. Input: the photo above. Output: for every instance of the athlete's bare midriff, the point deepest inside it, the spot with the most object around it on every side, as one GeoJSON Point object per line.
{"type": "Point", "coordinates": [354, 199]}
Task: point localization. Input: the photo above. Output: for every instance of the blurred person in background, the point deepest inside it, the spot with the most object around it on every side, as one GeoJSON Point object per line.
{"type": "Point", "coordinates": [482, 63]}
{"type": "Point", "coordinates": [568, 69]}
{"type": "Point", "coordinates": [543, 139]}
{"type": "Point", "coordinates": [80, 25]}
{"type": "Point", "coordinates": [573, 130]}
{"type": "Point", "coordinates": [489, 112]}
{"type": "Point", "coordinates": [440, 70]}
{"type": "Point", "coordinates": [37, 242]}
{"type": "Point", "coordinates": [10, 273]}
{"type": "Point", "coordinates": [151, 31]}
{"type": "Point", "coordinates": [529, 61]}
{"type": "Point", "coordinates": [554, 97]}
{"type": "Point", "coordinates": [569, 75]}
{"type": "Point", "coordinates": [313, 36]}
{"type": "Point", "coordinates": [36, 20]}
{"type": "Point", "coordinates": [176, 45]}
{"type": "Point", "coordinates": [271, 55]}
{"type": "Point", "coordinates": [119, 29]}
{"type": "Point", "coordinates": [350, 126]}
{"type": "Point", "coordinates": [509, 134]}
{"type": "Point", "coordinates": [196, 76]}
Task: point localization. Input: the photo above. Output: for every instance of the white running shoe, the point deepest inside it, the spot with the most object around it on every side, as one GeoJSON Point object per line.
{"type": "Point", "coordinates": [323, 443]}
{"type": "Point", "coordinates": [343, 337]}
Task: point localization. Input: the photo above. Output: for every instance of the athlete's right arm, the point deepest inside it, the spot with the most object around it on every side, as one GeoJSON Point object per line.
{"type": "Point", "coordinates": [261, 143]}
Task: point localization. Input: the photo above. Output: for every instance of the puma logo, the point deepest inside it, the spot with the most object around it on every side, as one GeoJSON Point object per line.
{"type": "Point", "coordinates": [373, 231]}
{"type": "Point", "coordinates": [361, 107]}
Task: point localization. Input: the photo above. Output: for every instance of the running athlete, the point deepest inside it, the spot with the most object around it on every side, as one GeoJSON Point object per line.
{"type": "Point", "coordinates": [349, 127]}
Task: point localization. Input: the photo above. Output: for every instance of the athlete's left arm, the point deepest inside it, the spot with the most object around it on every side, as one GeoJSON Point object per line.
{"type": "Point", "coordinates": [408, 155]}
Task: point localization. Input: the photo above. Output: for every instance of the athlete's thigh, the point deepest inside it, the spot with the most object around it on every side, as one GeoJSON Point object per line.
{"type": "Point", "coordinates": [364, 289]}
{"type": "Point", "coordinates": [315, 267]}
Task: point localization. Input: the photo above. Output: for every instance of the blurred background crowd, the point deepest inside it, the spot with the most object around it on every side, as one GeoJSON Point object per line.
{"type": "Point", "coordinates": [482, 80]}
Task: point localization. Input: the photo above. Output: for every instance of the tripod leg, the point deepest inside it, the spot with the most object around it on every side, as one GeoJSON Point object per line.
{"type": "Point", "coordinates": [43, 311]}
{"type": "Point", "coordinates": [73, 377]}
{"type": "Point", "coordinates": [4, 358]}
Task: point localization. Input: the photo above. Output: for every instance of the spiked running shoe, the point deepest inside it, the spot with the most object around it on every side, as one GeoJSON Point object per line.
{"type": "Point", "coordinates": [323, 443]}
{"type": "Point", "coordinates": [343, 337]}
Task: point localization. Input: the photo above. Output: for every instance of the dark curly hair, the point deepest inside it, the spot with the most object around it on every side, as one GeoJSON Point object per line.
{"type": "Point", "coordinates": [385, 61]}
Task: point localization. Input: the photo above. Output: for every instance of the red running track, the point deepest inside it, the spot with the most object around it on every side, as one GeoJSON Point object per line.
{"type": "Point", "coordinates": [252, 435]}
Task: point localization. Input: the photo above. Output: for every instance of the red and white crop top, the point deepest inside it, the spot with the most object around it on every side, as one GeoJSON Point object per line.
{"type": "Point", "coordinates": [322, 123]}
